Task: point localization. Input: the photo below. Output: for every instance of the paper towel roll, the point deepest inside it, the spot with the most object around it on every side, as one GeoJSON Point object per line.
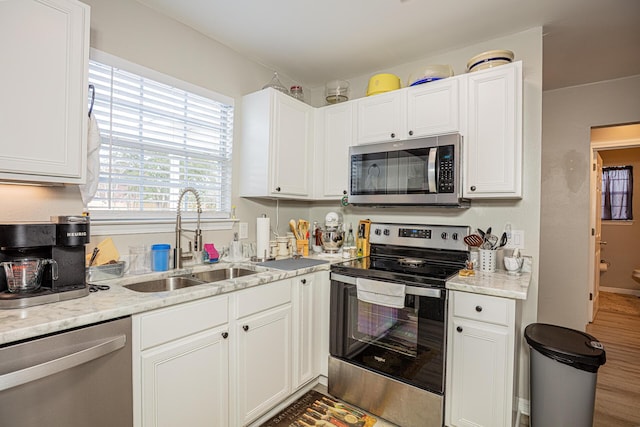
{"type": "Point", "coordinates": [262, 237]}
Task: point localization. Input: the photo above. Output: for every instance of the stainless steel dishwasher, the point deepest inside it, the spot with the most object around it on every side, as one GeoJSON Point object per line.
{"type": "Point", "coordinates": [80, 377]}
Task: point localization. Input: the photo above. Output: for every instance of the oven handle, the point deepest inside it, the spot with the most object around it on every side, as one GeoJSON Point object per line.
{"type": "Point", "coordinates": [409, 290]}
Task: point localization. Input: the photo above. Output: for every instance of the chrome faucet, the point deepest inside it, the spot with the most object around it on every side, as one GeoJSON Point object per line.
{"type": "Point", "coordinates": [197, 239]}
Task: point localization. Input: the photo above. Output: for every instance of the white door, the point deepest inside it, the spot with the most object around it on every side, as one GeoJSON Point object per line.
{"type": "Point", "coordinates": [596, 225]}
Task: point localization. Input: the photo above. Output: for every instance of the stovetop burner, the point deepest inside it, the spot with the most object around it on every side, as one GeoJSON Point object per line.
{"type": "Point", "coordinates": [422, 255]}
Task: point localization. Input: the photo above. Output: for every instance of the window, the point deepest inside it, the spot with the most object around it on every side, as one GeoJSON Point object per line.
{"type": "Point", "coordinates": [157, 138]}
{"type": "Point", "coordinates": [617, 193]}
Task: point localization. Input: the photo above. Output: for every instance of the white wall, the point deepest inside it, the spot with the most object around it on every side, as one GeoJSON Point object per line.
{"type": "Point", "coordinates": [568, 115]}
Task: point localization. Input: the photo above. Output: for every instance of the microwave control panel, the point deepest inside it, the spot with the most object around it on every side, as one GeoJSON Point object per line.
{"type": "Point", "coordinates": [446, 169]}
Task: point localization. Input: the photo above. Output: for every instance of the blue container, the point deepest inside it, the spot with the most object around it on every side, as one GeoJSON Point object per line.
{"type": "Point", "coordinates": [160, 257]}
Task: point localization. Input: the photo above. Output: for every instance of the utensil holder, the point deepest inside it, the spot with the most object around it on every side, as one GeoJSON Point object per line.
{"type": "Point", "coordinates": [487, 260]}
{"type": "Point", "coordinates": [302, 247]}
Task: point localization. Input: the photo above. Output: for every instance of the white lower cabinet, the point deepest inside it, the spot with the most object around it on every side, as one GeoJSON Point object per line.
{"type": "Point", "coordinates": [229, 359]}
{"type": "Point", "coordinates": [481, 361]}
{"type": "Point", "coordinates": [261, 368]}
{"type": "Point", "coordinates": [181, 365]}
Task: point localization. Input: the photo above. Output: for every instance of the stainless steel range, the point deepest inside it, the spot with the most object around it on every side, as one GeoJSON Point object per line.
{"type": "Point", "coordinates": [389, 319]}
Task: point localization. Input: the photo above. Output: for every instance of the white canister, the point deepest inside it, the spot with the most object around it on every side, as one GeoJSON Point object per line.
{"type": "Point", "coordinates": [487, 260]}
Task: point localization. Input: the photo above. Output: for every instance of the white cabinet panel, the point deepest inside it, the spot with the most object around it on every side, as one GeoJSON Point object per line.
{"type": "Point", "coordinates": [433, 108]}
{"type": "Point", "coordinates": [333, 139]}
{"type": "Point", "coordinates": [381, 117]}
{"type": "Point", "coordinates": [304, 337]}
{"type": "Point", "coordinates": [493, 140]}
{"type": "Point", "coordinates": [186, 382]}
{"type": "Point", "coordinates": [43, 81]}
{"type": "Point", "coordinates": [275, 154]}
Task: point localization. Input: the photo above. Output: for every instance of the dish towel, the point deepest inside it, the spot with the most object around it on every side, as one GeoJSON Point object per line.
{"type": "Point", "coordinates": [380, 293]}
{"type": "Point", "coordinates": [89, 189]}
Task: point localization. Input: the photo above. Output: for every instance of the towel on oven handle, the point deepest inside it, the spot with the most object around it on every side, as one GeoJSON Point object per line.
{"type": "Point", "coordinates": [380, 293]}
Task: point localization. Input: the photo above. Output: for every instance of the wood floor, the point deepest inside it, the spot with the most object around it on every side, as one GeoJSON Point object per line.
{"type": "Point", "coordinates": [617, 326]}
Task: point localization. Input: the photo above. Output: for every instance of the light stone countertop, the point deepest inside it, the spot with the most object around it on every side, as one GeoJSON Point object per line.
{"type": "Point", "coordinates": [25, 323]}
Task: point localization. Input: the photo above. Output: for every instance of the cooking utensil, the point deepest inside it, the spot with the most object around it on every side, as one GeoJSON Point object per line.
{"type": "Point", "coordinates": [481, 233]}
{"type": "Point", "coordinates": [490, 241]}
{"type": "Point", "coordinates": [503, 240]}
{"type": "Point", "coordinates": [294, 228]}
{"type": "Point", "coordinates": [473, 240]}
{"type": "Point", "coordinates": [94, 255]}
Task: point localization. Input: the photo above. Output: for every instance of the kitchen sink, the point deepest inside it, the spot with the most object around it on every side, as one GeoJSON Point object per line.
{"type": "Point", "coordinates": [161, 285]}
{"type": "Point", "coordinates": [222, 274]}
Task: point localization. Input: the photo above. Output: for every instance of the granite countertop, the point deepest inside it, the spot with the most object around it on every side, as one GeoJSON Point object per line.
{"type": "Point", "coordinates": [118, 301]}
{"type": "Point", "coordinates": [499, 284]}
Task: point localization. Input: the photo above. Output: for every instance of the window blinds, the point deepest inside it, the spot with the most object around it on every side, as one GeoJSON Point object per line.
{"type": "Point", "coordinates": [157, 139]}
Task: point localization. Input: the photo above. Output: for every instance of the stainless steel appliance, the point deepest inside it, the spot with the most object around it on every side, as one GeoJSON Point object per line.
{"type": "Point", "coordinates": [423, 171]}
{"type": "Point", "coordinates": [43, 262]}
{"type": "Point", "coordinates": [77, 378]}
{"type": "Point", "coordinates": [388, 322]}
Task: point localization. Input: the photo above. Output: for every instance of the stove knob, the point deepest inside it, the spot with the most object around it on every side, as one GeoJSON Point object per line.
{"type": "Point", "coordinates": [454, 236]}
{"type": "Point", "coordinates": [378, 231]}
{"type": "Point", "coordinates": [444, 235]}
{"type": "Point", "coordinates": [386, 232]}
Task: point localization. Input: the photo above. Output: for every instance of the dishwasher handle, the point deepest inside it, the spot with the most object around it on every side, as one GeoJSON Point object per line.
{"type": "Point", "coordinates": [91, 352]}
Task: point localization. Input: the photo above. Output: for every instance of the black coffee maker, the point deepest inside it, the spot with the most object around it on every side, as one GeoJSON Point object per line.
{"type": "Point", "coordinates": [43, 262]}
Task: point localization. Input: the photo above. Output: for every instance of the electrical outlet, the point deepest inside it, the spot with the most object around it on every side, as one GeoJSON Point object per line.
{"type": "Point", "coordinates": [243, 232]}
{"type": "Point", "coordinates": [516, 240]}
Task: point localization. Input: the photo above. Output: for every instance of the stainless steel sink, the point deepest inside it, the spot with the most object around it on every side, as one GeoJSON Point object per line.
{"type": "Point", "coordinates": [222, 274]}
{"type": "Point", "coordinates": [167, 284]}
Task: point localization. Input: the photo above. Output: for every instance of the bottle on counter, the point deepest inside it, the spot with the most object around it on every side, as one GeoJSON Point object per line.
{"type": "Point", "coordinates": [349, 247]}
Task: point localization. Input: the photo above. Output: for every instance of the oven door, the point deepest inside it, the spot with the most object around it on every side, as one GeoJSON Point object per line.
{"type": "Point", "coordinates": [407, 344]}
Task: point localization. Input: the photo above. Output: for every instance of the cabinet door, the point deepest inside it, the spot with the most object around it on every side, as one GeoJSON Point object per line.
{"type": "Point", "coordinates": [333, 144]}
{"type": "Point", "coordinates": [304, 338]}
{"type": "Point", "coordinates": [264, 361]}
{"type": "Point", "coordinates": [186, 382]}
{"type": "Point", "coordinates": [290, 146]}
{"type": "Point", "coordinates": [43, 81]}
{"type": "Point", "coordinates": [381, 117]}
{"type": "Point", "coordinates": [477, 375]}
{"type": "Point", "coordinates": [493, 141]}
{"type": "Point", "coordinates": [433, 108]}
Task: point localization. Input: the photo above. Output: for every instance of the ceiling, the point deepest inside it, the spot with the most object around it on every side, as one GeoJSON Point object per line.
{"type": "Point", "coordinates": [315, 41]}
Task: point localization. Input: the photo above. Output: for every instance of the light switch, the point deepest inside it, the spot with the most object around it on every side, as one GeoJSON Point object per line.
{"type": "Point", "coordinates": [516, 240]}
{"type": "Point", "coordinates": [243, 232]}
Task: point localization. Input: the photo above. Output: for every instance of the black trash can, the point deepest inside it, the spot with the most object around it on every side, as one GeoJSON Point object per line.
{"type": "Point", "coordinates": [563, 371]}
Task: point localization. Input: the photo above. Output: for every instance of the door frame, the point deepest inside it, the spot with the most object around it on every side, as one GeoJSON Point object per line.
{"type": "Point", "coordinates": [595, 147]}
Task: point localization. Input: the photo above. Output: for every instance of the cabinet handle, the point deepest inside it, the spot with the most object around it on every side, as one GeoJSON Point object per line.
{"type": "Point", "coordinates": [410, 133]}
{"type": "Point", "coordinates": [245, 327]}
{"type": "Point", "coordinates": [473, 188]}
{"type": "Point", "coordinates": [278, 189]}
{"type": "Point", "coordinates": [393, 135]}
{"type": "Point", "coordinates": [459, 329]}
{"type": "Point", "coordinates": [225, 335]}
{"type": "Point", "coordinates": [344, 192]}
{"type": "Point", "coordinates": [303, 281]}
{"type": "Point", "coordinates": [478, 308]}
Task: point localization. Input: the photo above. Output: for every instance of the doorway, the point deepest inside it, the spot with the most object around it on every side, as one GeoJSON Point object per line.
{"type": "Point", "coordinates": [612, 145]}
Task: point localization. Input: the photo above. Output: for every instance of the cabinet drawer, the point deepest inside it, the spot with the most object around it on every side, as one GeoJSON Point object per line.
{"type": "Point", "coordinates": [185, 319]}
{"type": "Point", "coordinates": [263, 297]}
{"type": "Point", "coordinates": [482, 308]}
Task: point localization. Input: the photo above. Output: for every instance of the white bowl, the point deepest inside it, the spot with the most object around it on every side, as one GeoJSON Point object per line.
{"type": "Point", "coordinates": [513, 265]}
{"type": "Point", "coordinates": [430, 73]}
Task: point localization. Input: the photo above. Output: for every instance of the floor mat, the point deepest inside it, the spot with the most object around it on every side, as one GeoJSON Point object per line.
{"type": "Point", "coordinates": [317, 409]}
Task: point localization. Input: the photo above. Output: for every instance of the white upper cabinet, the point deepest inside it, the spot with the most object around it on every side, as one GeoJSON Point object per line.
{"type": "Point", "coordinates": [334, 135]}
{"type": "Point", "coordinates": [381, 117]}
{"type": "Point", "coordinates": [275, 154]}
{"type": "Point", "coordinates": [493, 138]}
{"type": "Point", "coordinates": [43, 81]}
{"type": "Point", "coordinates": [433, 108]}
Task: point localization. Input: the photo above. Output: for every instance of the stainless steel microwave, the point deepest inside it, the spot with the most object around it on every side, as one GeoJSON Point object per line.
{"type": "Point", "coordinates": [423, 171]}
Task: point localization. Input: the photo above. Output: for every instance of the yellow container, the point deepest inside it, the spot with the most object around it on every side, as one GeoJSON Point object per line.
{"type": "Point", "coordinates": [381, 83]}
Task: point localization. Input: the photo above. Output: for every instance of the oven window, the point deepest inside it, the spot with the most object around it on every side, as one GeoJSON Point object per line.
{"type": "Point", "coordinates": [387, 327]}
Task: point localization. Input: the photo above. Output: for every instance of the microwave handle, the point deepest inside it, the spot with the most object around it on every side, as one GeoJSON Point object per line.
{"type": "Point", "coordinates": [431, 170]}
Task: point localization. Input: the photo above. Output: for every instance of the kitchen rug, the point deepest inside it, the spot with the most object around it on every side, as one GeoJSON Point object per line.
{"type": "Point", "coordinates": [317, 409]}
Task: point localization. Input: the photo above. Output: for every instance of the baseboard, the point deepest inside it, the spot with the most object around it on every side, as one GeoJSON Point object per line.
{"type": "Point", "coordinates": [623, 291]}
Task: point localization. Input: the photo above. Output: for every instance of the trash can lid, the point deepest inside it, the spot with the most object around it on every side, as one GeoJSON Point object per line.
{"type": "Point", "coordinates": [568, 346]}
